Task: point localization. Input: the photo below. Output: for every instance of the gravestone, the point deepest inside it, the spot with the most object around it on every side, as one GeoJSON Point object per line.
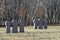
{"type": "Point", "coordinates": [45, 23]}
{"type": "Point", "coordinates": [36, 23]}
{"type": "Point", "coordinates": [40, 23]}
{"type": "Point", "coordinates": [14, 26]}
{"type": "Point", "coordinates": [7, 24]}
{"type": "Point", "coordinates": [21, 25]}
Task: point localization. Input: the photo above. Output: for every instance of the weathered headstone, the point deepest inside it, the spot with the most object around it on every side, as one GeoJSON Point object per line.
{"type": "Point", "coordinates": [45, 23]}
{"type": "Point", "coordinates": [40, 23]}
{"type": "Point", "coordinates": [36, 23]}
{"type": "Point", "coordinates": [15, 25]}
{"type": "Point", "coordinates": [7, 24]}
{"type": "Point", "coordinates": [22, 26]}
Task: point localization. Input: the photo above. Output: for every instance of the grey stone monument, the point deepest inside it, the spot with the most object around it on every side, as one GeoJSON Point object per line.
{"type": "Point", "coordinates": [45, 23]}
{"type": "Point", "coordinates": [14, 26]}
{"type": "Point", "coordinates": [21, 26]}
{"type": "Point", "coordinates": [36, 23]}
{"type": "Point", "coordinates": [40, 23]}
{"type": "Point", "coordinates": [7, 24]}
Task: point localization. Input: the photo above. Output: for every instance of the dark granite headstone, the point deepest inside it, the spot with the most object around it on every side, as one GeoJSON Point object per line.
{"type": "Point", "coordinates": [36, 23]}
{"type": "Point", "coordinates": [40, 23]}
{"type": "Point", "coordinates": [7, 24]}
{"type": "Point", "coordinates": [45, 23]}
{"type": "Point", "coordinates": [22, 26]}
{"type": "Point", "coordinates": [15, 26]}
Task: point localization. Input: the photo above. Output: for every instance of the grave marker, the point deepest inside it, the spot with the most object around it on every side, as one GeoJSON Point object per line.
{"type": "Point", "coordinates": [22, 26]}
{"type": "Point", "coordinates": [15, 25]}
{"type": "Point", "coordinates": [40, 23]}
{"type": "Point", "coordinates": [7, 24]}
{"type": "Point", "coordinates": [35, 21]}
{"type": "Point", "coordinates": [45, 24]}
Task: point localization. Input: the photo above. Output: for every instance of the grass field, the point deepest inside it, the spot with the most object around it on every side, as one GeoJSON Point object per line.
{"type": "Point", "coordinates": [52, 33]}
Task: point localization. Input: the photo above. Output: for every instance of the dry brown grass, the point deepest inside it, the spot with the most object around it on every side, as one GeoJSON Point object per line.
{"type": "Point", "coordinates": [52, 33]}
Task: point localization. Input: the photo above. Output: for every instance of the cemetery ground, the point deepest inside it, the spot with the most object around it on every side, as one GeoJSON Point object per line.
{"type": "Point", "coordinates": [52, 33]}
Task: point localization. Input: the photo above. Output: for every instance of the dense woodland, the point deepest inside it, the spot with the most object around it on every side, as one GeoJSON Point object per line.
{"type": "Point", "coordinates": [10, 9]}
